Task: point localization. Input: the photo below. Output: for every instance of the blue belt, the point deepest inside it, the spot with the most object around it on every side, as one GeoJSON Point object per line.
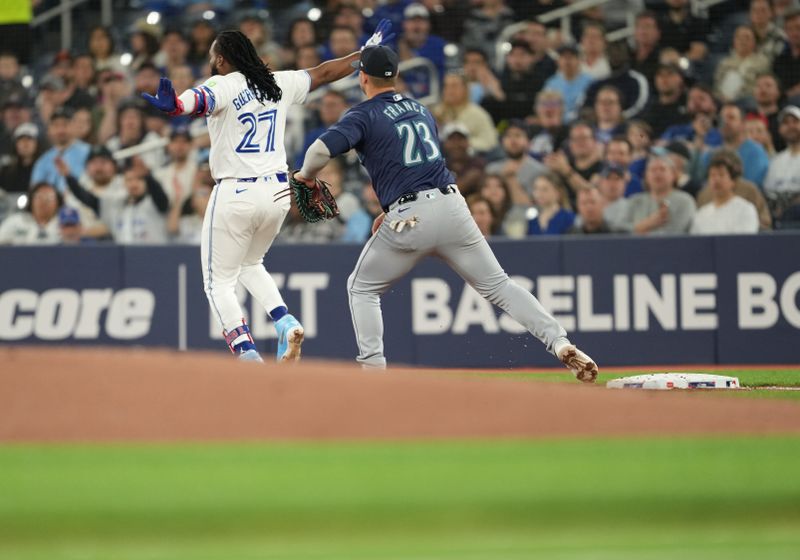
{"type": "Point", "coordinates": [282, 178]}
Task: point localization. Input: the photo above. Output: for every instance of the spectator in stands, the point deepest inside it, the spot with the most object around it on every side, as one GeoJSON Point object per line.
{"type": "Point", "coordinates": [417, 41]}
{"type": "Point", "coordinates": [786, 65]}
{"type": "Point", "coordinates": [593, 51]}
{"type": "Point", "coordinates": [307, 57]}
{"type": "Point", "coordinates": [65, 146]}
{"type": "Point", "coordinates": [511, 218]}
{"type": "Point", "coordinates": [634, 86]}
{"type": "Point", "coordinates": [554, 216]}
{"type": "Point", "coordinates": [770, 39]}
{"type": "Point", "coordinates": [15, 173]}
{"type": "Point", "coordinates": [331, 108]}
{"type": "Point", "coordinates": [590, 219]}
{"type": "Point", "coordinates": [519, 84]}
{"type": "Point", "coordinates": [535, 35]}
{"type": "Point", "coordinates": [144, 44]}
{"type": "Point", "coordinates": [185, 221]}
{"type": "Point", "coordinates": [646, 45]}
{"type": "Point", "coordinates": [467, 167]}
{"type": "Point", "coordinates": [736, 74]}
{"type": "Point", "coordinates": [483, 214]}
{"type": "Point", "coordinates": [101, 180]}
{"type": "Point", "coordinates": [177, 178]}
{"type": "Point", "coordinates": [755, 127]}
{"type": "Point", "coordinates": [131, 131]}
{"type": "Point", "coordinates": [174, 51]}
{"type": "Point", "coordinates": [701, 106]}
{"type": "Point", "coordinates": [767, 95]}
{"type": "Point", "coordinates": [518, 168]}
{"type": "Point", "coordinates": [359, 226]}
{"type": "Point", "coordinates": [38, 224]}
{"type": "Point", "coordinates": [259, 31]}
{"type": "Point", "coordinates": [136, 217]}
{"type": "Point", "coordinates": [484, 24]}
{"type": "Point", "coordinates": [481, 79]}
{"type": "Point", "coordinates": [727, 212]}
{"type": "Point", "coordinates": [101, 50]}
{"type": "Point", "coordinates": [619, 152]}
{"type": "Point", "coordinates": [682, 31]}
{"type": "Point", "coordinates": [662, 209]}
{"type": "Point", "coordinates": [680, 155]}
{"type": "Point", "coordinates": [669, 106]}
{"type": "Point", "coordinates": [16, 110]}
{"type": "Point", "coordinates": [16, 33]}
{"type": "Point", "coordinates": [608, 118]}
{"type": "Point", "coordinates": [333, 173]}
{"type": "Point", "coordinates": [201, 35]}
{"type": "Point", "coordinates": [146, 79]}
{"type": "Point", "coordinates": [611, 185]}
{"type": "Point", "coordinates": [583, 162]}
{"type": "Point", "coordinates": [640, 137]}
{"type": "Point", "coordinates": [734, 137]}
{"type": "Point", "coordinates": [342, 42]}
{"type": "Point", "coordinates": [348, 14]}
{"type": "Point", "coordinates": [82, 124]}
{"type": "Point", "coordinates": [302, 33]}
{"type": "Point", "coordinates": [70, 228]}
{"type": "Point", "coordinates": [457, 108]}
{"type": "Point", "coordinates": [10, 79]}
{"type": "Point", "coordinates": [548, 131]}
{"type": "Point", "coordinates": [569, 81]}
{"type": "Point", "coordinates": [84, 76]}
{"type": "Point", "coordinates": [782, 185]}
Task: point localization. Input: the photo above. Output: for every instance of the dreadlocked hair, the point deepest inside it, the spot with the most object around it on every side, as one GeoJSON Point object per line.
{"type": "Point", "coordinates": [237, 49]}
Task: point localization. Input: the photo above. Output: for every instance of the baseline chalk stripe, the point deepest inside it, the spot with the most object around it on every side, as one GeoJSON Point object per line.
{"type": "Point", "coordinates": [668, 381]}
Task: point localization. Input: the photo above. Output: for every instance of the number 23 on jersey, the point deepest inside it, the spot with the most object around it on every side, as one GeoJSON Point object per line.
{"type": "Point", "coordinates": [419, 144]}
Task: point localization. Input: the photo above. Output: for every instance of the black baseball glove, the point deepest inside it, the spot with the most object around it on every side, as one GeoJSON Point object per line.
{"type": "Point", "coordinates": [315, 203]}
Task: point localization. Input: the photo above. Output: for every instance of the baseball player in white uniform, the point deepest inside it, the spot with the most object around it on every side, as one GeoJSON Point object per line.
{"type": "Point", "coordinates": [246, 105]}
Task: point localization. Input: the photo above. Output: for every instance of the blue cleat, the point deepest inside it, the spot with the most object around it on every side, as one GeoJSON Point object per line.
{"type": "Point", "coordinates": [250, 356]}
{"type": "Point", "coordinates": [290, 338]}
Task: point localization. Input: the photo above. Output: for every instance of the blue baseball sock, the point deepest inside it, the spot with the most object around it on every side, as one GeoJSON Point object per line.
{"type": "Point", "coordinates": [278, 313]}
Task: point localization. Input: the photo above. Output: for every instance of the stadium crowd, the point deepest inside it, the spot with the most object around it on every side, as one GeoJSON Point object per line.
{"type": "Point", "coordinates": [690, 126]}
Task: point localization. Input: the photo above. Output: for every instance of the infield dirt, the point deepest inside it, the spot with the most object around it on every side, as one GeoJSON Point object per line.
{"type": "Point", "coordinates": [120, 395]}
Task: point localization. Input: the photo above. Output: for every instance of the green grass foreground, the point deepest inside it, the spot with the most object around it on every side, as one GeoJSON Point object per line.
{"type": "Point", "coordinates": [687, 498]}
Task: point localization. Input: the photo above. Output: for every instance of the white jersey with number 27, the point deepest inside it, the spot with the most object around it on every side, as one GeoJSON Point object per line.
{"type": "Point", "coordinates": [247, 135]}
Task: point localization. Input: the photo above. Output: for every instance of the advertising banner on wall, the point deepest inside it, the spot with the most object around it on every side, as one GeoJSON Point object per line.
{"type": "Point", "coordinates": [627, 301]}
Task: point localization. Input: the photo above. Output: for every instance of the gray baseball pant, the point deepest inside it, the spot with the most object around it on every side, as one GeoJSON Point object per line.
{"type": "Point", "coordinates": [445, 228]}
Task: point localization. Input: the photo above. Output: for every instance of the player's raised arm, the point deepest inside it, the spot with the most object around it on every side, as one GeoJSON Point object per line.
{"type": "Point", "coordinates": [339, 68]}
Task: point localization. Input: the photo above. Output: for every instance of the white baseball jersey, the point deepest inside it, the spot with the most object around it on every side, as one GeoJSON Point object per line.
{"type": "Point", "coordinates": [247, 136]}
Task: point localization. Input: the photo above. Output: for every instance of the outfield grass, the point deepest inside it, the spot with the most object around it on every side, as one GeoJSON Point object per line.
{"type": "Point", "coordinates": [687, 498]}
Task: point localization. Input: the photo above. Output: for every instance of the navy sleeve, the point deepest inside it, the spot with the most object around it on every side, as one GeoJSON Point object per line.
{"type": "Point", "coordinates": [347, 133]}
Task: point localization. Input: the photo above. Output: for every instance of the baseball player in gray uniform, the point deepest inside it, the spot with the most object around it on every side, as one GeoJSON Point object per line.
{"type": "Point", "coordinates": [423, 214]}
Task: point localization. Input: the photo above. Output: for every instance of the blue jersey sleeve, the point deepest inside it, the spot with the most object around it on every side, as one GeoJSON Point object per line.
{"type": "Point", "coordinates": [347, 134]}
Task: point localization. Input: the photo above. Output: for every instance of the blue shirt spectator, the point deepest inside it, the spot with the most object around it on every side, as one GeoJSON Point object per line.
{"type": "Point", "coordinates": [569, 81]}
{"type": "Point", "coordinates": [417, 41]}
{"type": "Point", "coordinates": [560, 223]}
{"type": "Point", "coordinates": [73, 152]}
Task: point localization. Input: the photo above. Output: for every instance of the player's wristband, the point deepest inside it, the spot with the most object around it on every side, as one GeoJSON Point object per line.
{"type": "Point", "coordinates": [178, 108]}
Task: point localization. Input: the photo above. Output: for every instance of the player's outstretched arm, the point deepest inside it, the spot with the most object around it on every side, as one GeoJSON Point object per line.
{"type": "Point", "coordinates": [339, 68]}
{"type": "Point", "coordinates": [167, 100]}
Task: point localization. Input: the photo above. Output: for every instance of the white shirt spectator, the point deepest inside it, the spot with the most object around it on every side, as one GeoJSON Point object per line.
{"type": "Point", "coordinates": [22, 229]}
{"type": "Point", "coordinates": [177, 181]}
{"type": "Point", "coordinates": [734, 216]}
{"type": "Point", "coordinates": [89, 220]}
{"type": "Point", "coordinates": [784, 174]}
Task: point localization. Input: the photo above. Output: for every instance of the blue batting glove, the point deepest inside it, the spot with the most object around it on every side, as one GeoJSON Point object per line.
{"type": "Point", "coordinates": [380, 36]}
{"type": "Point", "coordinates": [166, 99]}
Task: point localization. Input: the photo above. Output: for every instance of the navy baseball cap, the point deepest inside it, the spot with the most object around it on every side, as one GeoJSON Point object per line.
{"type": "Point", "coordinates": [68, 216]}
{"type": "Point", "coordinates": [378, 61]}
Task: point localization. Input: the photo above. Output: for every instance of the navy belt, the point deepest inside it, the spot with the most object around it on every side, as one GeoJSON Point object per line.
{"type": "Point", "coordinates": [281, 177]}
{"type": "Point", "coordinates": [412, 196]}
